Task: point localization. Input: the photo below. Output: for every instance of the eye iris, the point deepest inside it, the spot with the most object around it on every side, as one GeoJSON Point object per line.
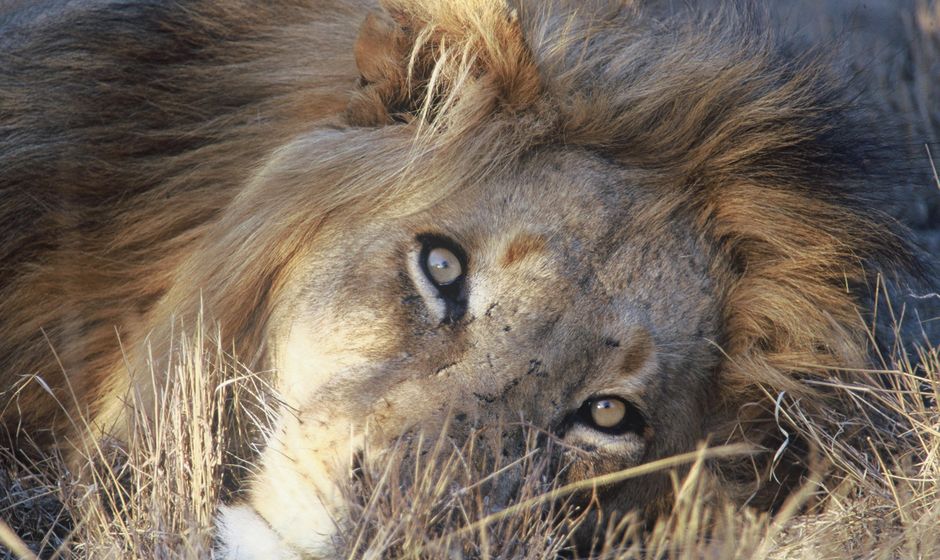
{"type": "Point", "coordinates": [607, 413]}
{"type": "Point", "coordinates": [443, 266]}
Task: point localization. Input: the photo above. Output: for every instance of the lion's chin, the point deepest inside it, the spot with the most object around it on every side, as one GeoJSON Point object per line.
{"type": "Point", "coordinates": [242, 534]}
{"type": "Point", "coordinates": [293, 509]}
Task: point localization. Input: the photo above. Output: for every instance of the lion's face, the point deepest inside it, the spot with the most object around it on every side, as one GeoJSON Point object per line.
{"type": "Point", "coordinates": [554, 296]}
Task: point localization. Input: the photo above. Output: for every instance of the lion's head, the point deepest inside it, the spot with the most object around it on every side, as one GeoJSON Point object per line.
{"type": "Point", "coordinates": [626, 234]}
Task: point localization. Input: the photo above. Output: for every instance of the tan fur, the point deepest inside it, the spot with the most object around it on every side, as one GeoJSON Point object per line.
{"type": "Point", "coordinates": [671, 212]}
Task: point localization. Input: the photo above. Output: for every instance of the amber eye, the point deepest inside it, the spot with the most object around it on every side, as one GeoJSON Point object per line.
{"type": "Point", "coordinates": [612, 415]}
{"type": "Point", "coordinates": [607, 412]}
{"type": "Point", "coordinates": [443, 266]}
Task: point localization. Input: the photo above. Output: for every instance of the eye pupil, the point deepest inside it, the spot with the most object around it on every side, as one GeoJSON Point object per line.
{"type": "Point", "coordinates": [443, 266]}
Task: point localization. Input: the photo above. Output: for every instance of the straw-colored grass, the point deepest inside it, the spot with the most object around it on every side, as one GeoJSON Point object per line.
{"type": "Point", "coordinates": [156, 496]}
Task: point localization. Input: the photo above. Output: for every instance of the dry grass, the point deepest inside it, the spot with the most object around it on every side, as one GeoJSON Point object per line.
{"type": "Point", "coordinates": [156, 497]}
{"type": "Point", "coordinates": [882, 501]}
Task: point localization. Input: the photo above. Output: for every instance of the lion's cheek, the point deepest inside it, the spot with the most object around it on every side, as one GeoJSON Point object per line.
{"type": "Point", "coordinates": [309, 355]}
{"type": "Point", "coordinates": [242, 534]}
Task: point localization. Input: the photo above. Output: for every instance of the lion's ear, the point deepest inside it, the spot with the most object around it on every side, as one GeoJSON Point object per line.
{"type": "Point", "coordinates": [417, 58]}
{"type": "Point", "coordinates": [381, 51]}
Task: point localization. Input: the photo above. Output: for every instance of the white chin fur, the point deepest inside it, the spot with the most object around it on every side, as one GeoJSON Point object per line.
{"type": "Point", "coordinates": [242, 534]}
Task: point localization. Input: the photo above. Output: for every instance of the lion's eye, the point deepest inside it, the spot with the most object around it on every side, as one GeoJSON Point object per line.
{"type": "Point", "coordinates": [612, 415]}
{"type": "Point", "coordinates": [440, 271]}
{"type": "Point", "coordinates": [607, 413]}
{"type": "Point", "coordinates": [443, 266]}
{"type": "Point", "coordinates": [444, 263]}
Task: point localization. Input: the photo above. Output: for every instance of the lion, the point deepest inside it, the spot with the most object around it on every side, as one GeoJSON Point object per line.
{"type": "Point", "coordinates": [429, 216]}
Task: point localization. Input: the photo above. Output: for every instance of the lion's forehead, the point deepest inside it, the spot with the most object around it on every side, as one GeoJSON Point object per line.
{"type": "Point", "coordinates": [565, 227]}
